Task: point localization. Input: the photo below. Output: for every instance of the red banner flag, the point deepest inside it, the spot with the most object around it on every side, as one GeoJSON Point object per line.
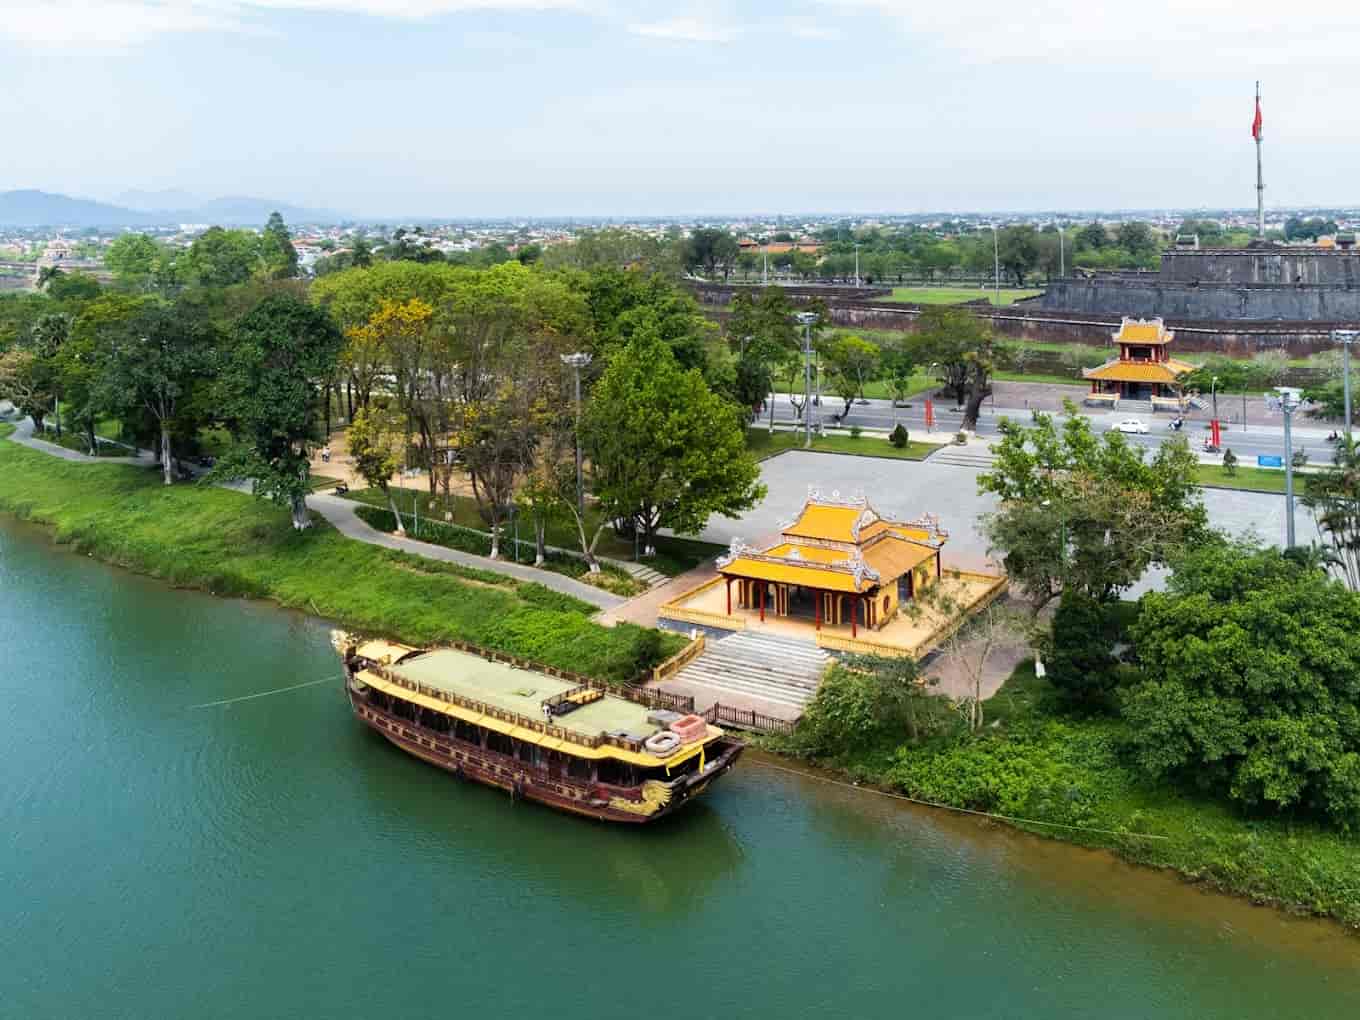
{"type": "Point", "coordinates": [1256, 121]}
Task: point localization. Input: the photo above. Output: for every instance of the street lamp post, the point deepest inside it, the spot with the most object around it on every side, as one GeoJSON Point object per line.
{"type": "Point", "coordinates": [1346, 337]}
{"type": "Point", "coordinates": [1062, 255]}
{"type": "Point", "coordinates": [1213, 395]}
{"type": "Point", "coordinates": [807, 319]}
{"type": "Point", "coordinates": [996, 267]}
{"type": "Point", "coordinates": [1289, 403]}
{"type": "Point", "coordinates": [856, 265]}
{"type": "Point", "coordinates": [577, 362]}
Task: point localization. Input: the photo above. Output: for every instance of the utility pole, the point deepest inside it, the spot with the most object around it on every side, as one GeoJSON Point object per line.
{"type": "Point", "coordinates": [578, 361]}
{"type": "Point", "coordinates": [1062, 255]}
{"type": "Point", "coordinates": [807, 319]}
{"type": "Point", "coordinates": [765, 269]}
{"type": "Point", "coordinates": [1256, 133]}
{"type": "Point", "coordinates": [1346, 337]}
{"type": "Point", "coordinates": [1289, 402]}
{"type": "Point", "coordinates": [856, 265]}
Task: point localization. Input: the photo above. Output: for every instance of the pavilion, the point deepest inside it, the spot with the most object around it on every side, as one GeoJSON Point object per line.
{"type": "Point", "coordinates": [839, 561]}
{"type": "Point", "coordinates": [1144, 369]}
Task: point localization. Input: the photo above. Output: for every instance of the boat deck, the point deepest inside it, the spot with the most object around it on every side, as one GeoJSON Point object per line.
{"type": "Point", "coordinates": [522, 692]}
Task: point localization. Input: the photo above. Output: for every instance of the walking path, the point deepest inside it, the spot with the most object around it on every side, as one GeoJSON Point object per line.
{"type": "Point", "coordinates": [340, 513]}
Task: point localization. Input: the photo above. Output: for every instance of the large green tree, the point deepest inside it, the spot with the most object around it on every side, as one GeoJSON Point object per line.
{"type": "Point", "coordinates": [282, 352]}
{"type": "Point", "coordinates": [276, 249]}
{"type": "Point", "coordinates": [132, 259]}
{"type": "Point", "coordinates": [220, 258]}
{"type": "Point", "coordinates": [665, 450]}
{"type": "Point", "coordinates": [1086, 512]}
{"type": "Point", "coordinates": [963, 348]}
{"type": "Point", "coordinates": [1250, 684]}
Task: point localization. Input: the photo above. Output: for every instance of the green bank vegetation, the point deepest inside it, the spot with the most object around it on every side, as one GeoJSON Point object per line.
{"type": "Point", "coordinates": [765, 444]}
{"type": "Point", "coordinates": [230, 544]}
{"type": "Point", "coordinates": [955, 295]}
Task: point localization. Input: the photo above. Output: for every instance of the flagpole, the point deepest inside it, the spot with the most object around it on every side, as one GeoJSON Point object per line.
{"type": "Point", "coordinates": [1260, 181]}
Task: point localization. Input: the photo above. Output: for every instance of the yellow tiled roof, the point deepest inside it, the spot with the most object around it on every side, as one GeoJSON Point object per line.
{"type": "Point", "coordinates": [814, 567]}
{"type": "Point", "coordinates": [1139, 371]}
{"type": "Point", "coordinates": [1143, 331]}
{"type": "Point", "coordinates": [891, 558]}
{"type": "Point", "coordinates": [830, 523]}
{"type": "Point", "coordinates": [809, 575]}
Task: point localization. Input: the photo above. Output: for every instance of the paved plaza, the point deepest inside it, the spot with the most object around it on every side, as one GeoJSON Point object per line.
{"type": "Point", "coordinates": [907, 489]}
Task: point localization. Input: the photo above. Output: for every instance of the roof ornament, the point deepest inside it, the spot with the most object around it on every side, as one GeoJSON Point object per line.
{"type": "Point", "coordinates": [735, 551]}
{"type": "Point", "coordinates": [861, 570]}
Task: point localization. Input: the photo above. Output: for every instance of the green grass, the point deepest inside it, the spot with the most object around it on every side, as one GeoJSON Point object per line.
{"type": "Point", "coordinates": [69, 440]}
{"type": "Point", "coordinates": [228, 543]}
{"type": "Point", "coordinates": [953, 295]}
{"type": "Point", "coordinates": [451, 536]}
{"type": "Point", "coordinates": [1251, 478]}
{"type": "Point", "coordinates": [1047, 764]}
{"type": "Point", "coordinates": [765, 444]}
{"type": "Point", "coordinates": [674, 556]}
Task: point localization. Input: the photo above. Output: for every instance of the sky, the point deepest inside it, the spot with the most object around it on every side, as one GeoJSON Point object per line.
{"type": "Point", "coordinates": [392, 108]}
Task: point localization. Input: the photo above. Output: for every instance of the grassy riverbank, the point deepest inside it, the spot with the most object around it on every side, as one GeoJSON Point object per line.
{"type": "Point", "coordinates": [1041, 762]}
{"type": "Point", "coordinates": [229, 543]}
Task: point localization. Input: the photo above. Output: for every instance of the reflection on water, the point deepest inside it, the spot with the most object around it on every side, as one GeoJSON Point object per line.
{"type": "Point", "coordinates": [275, 858]}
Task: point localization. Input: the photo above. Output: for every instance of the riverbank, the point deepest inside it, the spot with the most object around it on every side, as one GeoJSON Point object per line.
{"type": "Point", "coordinates": [1067, 773]}
{"type": "Point", "coordinates": [229, 543]}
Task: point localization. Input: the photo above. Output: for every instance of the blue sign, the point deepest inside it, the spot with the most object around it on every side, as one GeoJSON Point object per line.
{"type": "Point", "coordinates": [1269, 460]}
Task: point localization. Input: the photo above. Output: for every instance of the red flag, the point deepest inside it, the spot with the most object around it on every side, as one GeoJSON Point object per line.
{"type": "Point", "coordinates": [1256, 122]}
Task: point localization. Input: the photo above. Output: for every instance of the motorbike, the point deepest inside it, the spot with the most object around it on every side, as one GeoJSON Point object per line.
{"type": "Point", "coordinates": [1177, 424]}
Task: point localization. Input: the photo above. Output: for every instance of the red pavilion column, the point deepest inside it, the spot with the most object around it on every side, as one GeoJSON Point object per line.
{"type": "Point", "coordinates": [729, 595]}
{"type": "Point", "coordinates": [818, 597]}
{"type": "Point", "coordinates": [854, 616]}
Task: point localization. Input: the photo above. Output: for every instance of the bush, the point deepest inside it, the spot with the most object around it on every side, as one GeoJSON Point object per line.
{"type": "Point", "coordinates": [867, 698]}
{"type": "Point", "coordinates": [961, 439]}
{"type": "Point", "coordinates": [855, 431]}
{"type": "Point", "coordinates": [1079, 652]}
{"type": "Point", "coordinates": [899, 436]}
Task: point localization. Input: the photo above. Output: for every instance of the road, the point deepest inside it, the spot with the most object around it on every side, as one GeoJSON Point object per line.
{"type": "Point", "coordinates": [1248, 444]}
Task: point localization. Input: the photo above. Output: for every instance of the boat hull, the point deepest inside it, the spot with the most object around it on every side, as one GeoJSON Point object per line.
{"type": "Point", "coordinates": [525, 782]}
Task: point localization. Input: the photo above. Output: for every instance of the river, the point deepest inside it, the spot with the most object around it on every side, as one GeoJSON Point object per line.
{"type": "Point", "coordinates": [163, 856]}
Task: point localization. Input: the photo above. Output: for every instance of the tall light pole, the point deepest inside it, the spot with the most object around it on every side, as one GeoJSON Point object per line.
{"type": "Point", "coordinates": [1062, 255]}
{"type": "Point", "coordinates": [1289, 402]}
{"type": "Point", "coordinates": [1213, 395]}
{"type": "Point", "coordinates": [996, 265]}
{"type": "Point", "coordinates": [765, 269]}
{"type": "Point", "coordinates": [1346, 337]}
{"type": "Point", "coordinates": [856, 265]}
{"type": "Point", "coordinates": [807, 319]}
{"type": "Point", "coordinates": [578, 361]}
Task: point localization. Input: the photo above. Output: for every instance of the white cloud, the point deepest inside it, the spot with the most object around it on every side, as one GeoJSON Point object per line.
{"type": "Point", "coordinates": [687, 30]}
{"type": "Point", "coordinates": [814, 29]}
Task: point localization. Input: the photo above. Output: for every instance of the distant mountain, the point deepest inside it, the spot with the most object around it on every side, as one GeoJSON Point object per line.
{"type": "Point", "coordinates": [32, 208]}
{"type": "Point", "coordinates": [156, 201]}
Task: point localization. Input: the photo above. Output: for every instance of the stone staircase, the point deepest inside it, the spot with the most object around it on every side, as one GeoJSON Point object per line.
{"type": "Point", "coordinates": [759, 666]}
{"type": "Point", "coordinates": [642, 572]}
{"type": "Point", "coordinates": [975, 455]}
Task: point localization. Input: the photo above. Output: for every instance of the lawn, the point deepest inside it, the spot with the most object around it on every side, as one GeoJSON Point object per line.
{"type": "Point", "coordinates": [674, 556]}
{"type": "Point", "coordinates": [1044, 762]}
{"type": "Point", "coordinates": [1251, 478]}
{"type": "Point", "coordinates": [765, 444]}
{"type": "Point", "coordinates": [953, 295]}
{"type": "Point", "coordinates": [232, 544]}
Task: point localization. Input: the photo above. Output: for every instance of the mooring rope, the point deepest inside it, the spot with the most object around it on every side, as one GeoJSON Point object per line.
{"type": "Point", "coordinates": [265, 694]}
{"type": "Point", "coordinates": [950, 807]}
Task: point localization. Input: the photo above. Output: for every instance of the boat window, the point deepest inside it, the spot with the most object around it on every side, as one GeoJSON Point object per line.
{"type": "Point", "coordinates": [525, 752]}
{"type": "Point", "coordinates": [499, 743]}
{"type": "Point", "coordinates": [613, 772]}
{"type": "Point", "coordinates": [578, 768]}
{"type": "Point", "coordinates": [467, 732]}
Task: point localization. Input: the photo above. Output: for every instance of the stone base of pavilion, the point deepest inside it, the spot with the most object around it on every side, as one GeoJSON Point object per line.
{"type": "Point", "coordinates": [915, 630]}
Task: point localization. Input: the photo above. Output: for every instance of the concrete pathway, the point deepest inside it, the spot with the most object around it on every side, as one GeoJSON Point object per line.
{"type": "Point", "coordinates": [341, 513]}
{"type": "Point", "coordinates": [23, 435]}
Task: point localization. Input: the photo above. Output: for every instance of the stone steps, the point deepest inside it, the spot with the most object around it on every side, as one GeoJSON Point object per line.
{"type": "Point", "coordinates": [964, 456]}
{"type": "Point", "coordinates": [778, 670]}
{"type": "Point", "coordinates": [642, 572]}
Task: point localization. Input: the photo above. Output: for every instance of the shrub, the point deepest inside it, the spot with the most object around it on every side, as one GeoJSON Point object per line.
{"type": "Point", "coordinates": [855, 431]}
{"type": "Point", "coordinates": [961, 439]}
{"type": "Point", "coordinates": [899, 436]}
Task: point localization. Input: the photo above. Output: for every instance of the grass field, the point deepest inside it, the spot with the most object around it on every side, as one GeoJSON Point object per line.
{"type": "Point", "coordinates": [1250, 478]}
{"type": "Point", "coordinates": [673, 556]}
{"type": "Point", "coordinates": [1044, 762]}
{"type": "Point", "coordinates": [232, 544]}
{"type": "Point", "coordinates": [953, 295]}
{"type": "Point", "coordinates": [765, 444]}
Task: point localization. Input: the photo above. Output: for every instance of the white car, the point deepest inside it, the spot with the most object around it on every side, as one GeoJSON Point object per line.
{"type": "Point", "coordinates": [1132, 426]}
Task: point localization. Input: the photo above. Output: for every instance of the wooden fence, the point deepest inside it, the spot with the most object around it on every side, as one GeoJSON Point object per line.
{"type": "Point", "coordinates": [679, 660]}
{"type": "Point", "coordinates": [747, 719]}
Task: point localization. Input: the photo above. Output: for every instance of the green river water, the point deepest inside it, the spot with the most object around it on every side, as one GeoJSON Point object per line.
{"type": "Point", "coordinates": [271, 858]}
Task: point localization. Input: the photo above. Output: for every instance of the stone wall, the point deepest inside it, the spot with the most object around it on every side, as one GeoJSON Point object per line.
{"type": "Point", "coordinates": [1275, 265]}
{"type": "Point", "coordinates": [1206, 301]}
{"type": "Point", "coordinates": [722, 293]}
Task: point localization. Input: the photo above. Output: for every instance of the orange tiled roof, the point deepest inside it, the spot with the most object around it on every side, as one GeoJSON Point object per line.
{"type": "Point", "coordinates": [1143, 331]}
{"type": "Point", "coordinates": [1139, 371]}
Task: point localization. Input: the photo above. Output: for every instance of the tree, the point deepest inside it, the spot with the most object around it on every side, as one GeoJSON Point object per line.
{"type": "Point", "coordinates": [153, 364]}
{"type": "Point", "coordinates": [276, 249]}
{"type": "Point", "coordinates": [1093, 235]}
{"type": "Point", "coordinates": [665, 450]}
{"type": "Point", "coordinates": [23, 384]}
{"type": "Point", "coordinates": [763, 331]}
{"type": "Point", "coordinates": [1018, 251]}
{"type": "Point", "coordinates": [870, 698]}
{"type": "Point", "coordinates": [1079, 652]}
{"type": "Point", "coordinates": [851, 361]}
{"type": "Point", "coordinates": [1249, 664]}
{"type": "Point", "coordinates": [1333, 495]}
{"type": "Point", "coordinates": [899, 368]}
{"type": "Point", "coordinates": [375, 438]}
{"type": "Point", "coordinates": [1136, 237]}
{"type": "Point", "coordinates": [132, 260]}
{"type": "Point", "coordinates": [713, 250]}
{"type": "Point", "coordinates": [282, 351]}
{"type": "Point", "coordinates": [221, 258]}
{"type": "Point", "coordinates": [1087, 513]}
{"type": "Point", "coordinates": [963, 346]}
